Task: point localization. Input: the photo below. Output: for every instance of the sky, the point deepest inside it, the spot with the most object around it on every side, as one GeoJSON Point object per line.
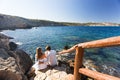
{"type": "Point", "coordinates": [64, 10]}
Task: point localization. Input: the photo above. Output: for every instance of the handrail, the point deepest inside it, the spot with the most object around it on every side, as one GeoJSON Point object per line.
{"type": "Point", "coordinates": [96, 75]}
{"type": "Point", "coordinates": [113, 41]}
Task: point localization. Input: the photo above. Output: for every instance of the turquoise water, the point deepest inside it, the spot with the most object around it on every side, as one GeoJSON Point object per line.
{"type": "Point", "coordinates": [58, 37]}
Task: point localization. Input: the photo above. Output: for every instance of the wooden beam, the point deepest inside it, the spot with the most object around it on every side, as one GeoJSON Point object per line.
{"type": "Point", "coordinates": [113, 41]}
{"type": "Point", "coordinates": [78, 62]}
{"type": "Point", "coordinates": [96, 75]}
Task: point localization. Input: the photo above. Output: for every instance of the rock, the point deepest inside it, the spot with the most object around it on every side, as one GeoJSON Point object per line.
{"type": "Point", "coordinates": [90, 65]}
{"type": "Point", "coordinates": [8, 75]}
{"type": "Point", "coordinates": [12, 46]}
{"type": "Point", "coordinates": [68, 77]}
{"type": "Point", "coordinates": [2, 36]}
{"type": "Point", "coordinates": [3, 54]}
{"type": "Point", "coordinates": [57, 76]}
{"type": "Point", "coordinates": [4, 43]}
{"type": "Point", "coordinates": [40, 76]}
{"type": "Point", "coordinates": [57, 73]}
{"type": "Point", "coordinates": [23, 60]}
{"type": "Point", "coordinates": [8, 63]}
{"type": "Point", "coordinates": [14, 63]}
{"type": "Point", "coordinates": [68, 61]}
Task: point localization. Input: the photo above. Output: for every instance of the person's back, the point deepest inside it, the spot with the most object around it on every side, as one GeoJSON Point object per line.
{"type": "Point", "coordinates": [51, 56]}
{"type": "Point", "coordinates": [41, 60]}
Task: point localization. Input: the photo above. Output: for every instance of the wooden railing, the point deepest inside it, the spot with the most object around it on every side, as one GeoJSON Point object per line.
{"type": "Point", "coordinates": [78, 70]}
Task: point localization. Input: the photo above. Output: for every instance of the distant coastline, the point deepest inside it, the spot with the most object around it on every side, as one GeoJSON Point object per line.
{"type": "Point", "coordinates": [15, 22]}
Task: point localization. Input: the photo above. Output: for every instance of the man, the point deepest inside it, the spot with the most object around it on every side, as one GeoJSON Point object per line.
{"type": "Point", "coordinates": [51, 56]}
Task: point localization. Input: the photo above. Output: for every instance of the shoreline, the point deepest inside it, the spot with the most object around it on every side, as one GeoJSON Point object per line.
{"type": "Point", "coordinates": [105, 68]}
{"type": "Point", "coordinates": [15, 22]}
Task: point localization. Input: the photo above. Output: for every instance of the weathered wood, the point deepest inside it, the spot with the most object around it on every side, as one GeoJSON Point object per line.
{"type": "Point", "coordinates": [78, 62]}
{"type": "Point", "coordinates": [113, 41]}
{"type": "Point", "coordinates": [96, 75]}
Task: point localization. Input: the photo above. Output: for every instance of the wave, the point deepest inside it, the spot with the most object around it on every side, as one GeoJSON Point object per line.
{"type": "Point", "coordinates": [19, 43]}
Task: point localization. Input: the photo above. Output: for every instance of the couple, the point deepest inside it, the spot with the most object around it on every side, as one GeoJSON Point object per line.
{"type": "Point", "coordinates": [43, 60]}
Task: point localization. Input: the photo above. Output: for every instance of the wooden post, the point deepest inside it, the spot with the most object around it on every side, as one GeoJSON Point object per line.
{"type": "Point", "coordinates": [78, 62]}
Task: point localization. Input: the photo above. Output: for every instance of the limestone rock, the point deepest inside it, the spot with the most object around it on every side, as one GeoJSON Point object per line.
{"type": "Point", "coordinates": [56, 73]}
{"type": "Point", "coordinates": [57, 76]}
{"type": "Point", "coordinates": [14, 64]}
{"type": "Point", "coordinates": [8, 75]}
{"type": "Point", "coordinates": [8, 63]}
{"type": "Point", "coordinates": [40, 76]}
{"type": "Point", "coordinates": [23, 60]}
{"type": "Point", "coordinates": [4, 43]}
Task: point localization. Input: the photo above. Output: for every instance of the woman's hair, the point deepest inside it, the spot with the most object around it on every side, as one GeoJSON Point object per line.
{"type": "Point", "coordinates": [38, 52]}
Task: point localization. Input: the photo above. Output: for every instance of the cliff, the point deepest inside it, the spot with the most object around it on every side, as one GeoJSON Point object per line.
{"type": "Point", "coordinates": [15, 22]}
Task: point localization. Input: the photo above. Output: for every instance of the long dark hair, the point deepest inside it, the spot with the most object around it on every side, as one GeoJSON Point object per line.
{"type": "Point", "coordinates": [38, 53]}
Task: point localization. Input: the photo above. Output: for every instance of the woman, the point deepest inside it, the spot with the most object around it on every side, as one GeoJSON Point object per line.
{"type": "Point", "coordinates": [41, 62]}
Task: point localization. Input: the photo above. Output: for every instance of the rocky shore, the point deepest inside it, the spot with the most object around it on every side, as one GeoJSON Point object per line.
{"type": "Point", "coordinates": [14, 63]}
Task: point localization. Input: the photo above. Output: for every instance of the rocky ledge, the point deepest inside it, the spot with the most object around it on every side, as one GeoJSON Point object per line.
{"type": "Point", "coordinates": [64, 70]}
{"type": "Point", "coordinates": [14, 63]}
{"type": "Point", "coordinates": [57, 73]}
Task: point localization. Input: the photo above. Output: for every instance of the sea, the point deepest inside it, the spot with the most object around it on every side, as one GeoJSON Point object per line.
{"type": "Point", "coordinates": [59, 36]}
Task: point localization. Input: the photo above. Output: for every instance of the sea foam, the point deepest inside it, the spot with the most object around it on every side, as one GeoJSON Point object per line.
{"type": "Point", "coordinates": [19, 43]}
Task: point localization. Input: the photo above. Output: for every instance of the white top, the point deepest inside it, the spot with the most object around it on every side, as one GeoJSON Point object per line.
{"type": "Point", "coordinates": [38, 66]}
{"type": "Point", "coordinates": [51, 56]}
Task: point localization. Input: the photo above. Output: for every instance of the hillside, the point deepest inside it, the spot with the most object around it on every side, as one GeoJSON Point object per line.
{"type": "Point", "coordinates": [14, 22]}
{"type": "Point", "coordinates": [91, 24]}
